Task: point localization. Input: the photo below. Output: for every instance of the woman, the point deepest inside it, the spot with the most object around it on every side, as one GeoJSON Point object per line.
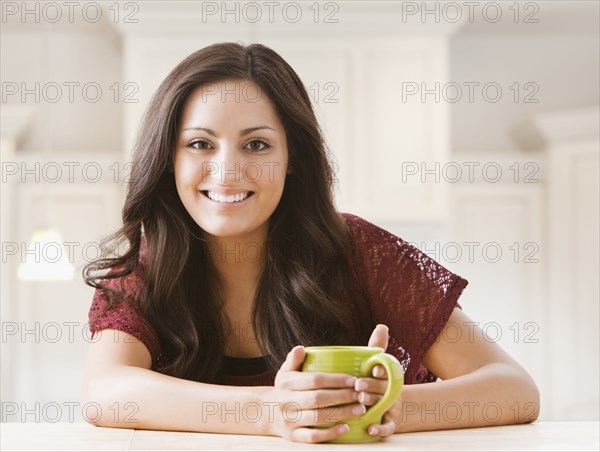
{"type": "Point", "coordinates": [236, 258]}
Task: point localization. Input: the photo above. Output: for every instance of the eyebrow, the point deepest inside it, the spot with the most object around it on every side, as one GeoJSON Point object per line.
{"type": "Point", "coordinates": [243, 132]}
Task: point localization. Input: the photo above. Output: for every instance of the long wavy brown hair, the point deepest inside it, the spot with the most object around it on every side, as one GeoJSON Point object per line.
{"type": "Point", "coordinates": [301, 296]}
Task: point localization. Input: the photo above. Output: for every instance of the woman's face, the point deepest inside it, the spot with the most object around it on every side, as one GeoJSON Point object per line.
{"type": "Point", "coordinates": [231, 147]}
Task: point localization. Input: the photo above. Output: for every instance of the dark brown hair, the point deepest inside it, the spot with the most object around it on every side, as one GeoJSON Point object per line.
{"type": "Point", "coordinates": [301, 296]}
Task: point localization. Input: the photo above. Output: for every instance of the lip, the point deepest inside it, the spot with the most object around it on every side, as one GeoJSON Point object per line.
{"type": "Point", "coordinates": [228, 205]}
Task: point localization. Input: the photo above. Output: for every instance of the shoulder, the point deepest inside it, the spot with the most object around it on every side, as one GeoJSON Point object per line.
{"type": "Point", "coordinates": [367, 234]}
{"type": "Point", "coordinates": [117, 305]}
{"type": "Point", "coordinates": [379, 251]}
{"type": "Point", "coordinates": [373, 248]}
{"type": "Point", "coordinates": [128, 287]}
{"type": "Point", "coordinates": [121, 292]}
{"type": "Point", "coordinates": [353, 221]}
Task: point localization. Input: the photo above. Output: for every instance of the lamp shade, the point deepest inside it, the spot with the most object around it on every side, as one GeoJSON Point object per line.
{"type": "Point", "coordinates": [45, 258]}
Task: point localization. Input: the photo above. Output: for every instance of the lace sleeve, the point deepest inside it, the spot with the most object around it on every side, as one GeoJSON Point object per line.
{"type": "Point", "coordinates": [408, 291]}
{"type": "Point", "coordinates": [123, 315]}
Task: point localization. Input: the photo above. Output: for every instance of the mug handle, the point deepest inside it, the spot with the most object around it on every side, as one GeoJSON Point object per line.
{"type": "Point", "coordinates": [395, 374]}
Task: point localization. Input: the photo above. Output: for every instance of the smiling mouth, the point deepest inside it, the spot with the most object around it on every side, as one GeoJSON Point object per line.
{"type": "Point", "coordinates": [228, 199]}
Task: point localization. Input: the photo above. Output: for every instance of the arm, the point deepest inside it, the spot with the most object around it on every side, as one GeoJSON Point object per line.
{"type": "Point", "coordinates": [119, 382]}
{"type": "Point", "coordinates": [482, 385]}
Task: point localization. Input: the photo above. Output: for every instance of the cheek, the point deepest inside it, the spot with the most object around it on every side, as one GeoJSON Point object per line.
{"type": "Point", "coordinates": [186, 174]}
{"type": "Point", "coordinates": [276, 188]}
{"type": "Point", "coordinates": [273, 180]}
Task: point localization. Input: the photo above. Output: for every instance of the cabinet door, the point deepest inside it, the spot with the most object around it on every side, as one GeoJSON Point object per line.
{"type": "Point", "coordinates": [48, 321]}
{"type": "Point", "coordinates": [398, 136]}
{"type": "Point", "coordinates": [497, 244]}
{"type": "Point", "coordinates": [378, 132]}
{"type": "Point", "coordinates": [573, 293]}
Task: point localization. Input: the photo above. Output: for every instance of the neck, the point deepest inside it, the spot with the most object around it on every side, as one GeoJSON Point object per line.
{"type": "Point", "coordinates": [239, 260]}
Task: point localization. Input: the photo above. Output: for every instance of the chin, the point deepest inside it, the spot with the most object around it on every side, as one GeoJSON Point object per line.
{"type": "Point", "coordinates": [224, 231]}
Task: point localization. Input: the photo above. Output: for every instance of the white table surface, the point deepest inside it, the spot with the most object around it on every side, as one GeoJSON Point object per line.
{"type": "Point", "coordinates": [82, 437]}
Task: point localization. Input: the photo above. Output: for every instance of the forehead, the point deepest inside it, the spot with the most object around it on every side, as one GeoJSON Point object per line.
{"type": "Point", "coordinates": [229, 102]}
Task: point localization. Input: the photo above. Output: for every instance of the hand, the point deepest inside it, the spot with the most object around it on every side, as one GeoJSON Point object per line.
{"type": "Point", "coordinates": [372, 389]}
{"type": "Point", "coordinates": [306, 399]}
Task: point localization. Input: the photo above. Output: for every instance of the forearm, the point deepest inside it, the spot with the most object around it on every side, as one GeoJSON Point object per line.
{"type": "Point", "coordinates": [495, 394]}
{"type": "Point", "coordinates": [133, 397]}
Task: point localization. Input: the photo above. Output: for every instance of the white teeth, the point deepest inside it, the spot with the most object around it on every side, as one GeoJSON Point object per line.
{"type": "Point", "coordinates": [227, 199]}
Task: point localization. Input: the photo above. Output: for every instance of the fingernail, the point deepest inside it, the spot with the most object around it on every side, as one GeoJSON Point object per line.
{"type": "Point", "coordinates": [351, 381]}
{"type": "Point", "coordinates": [344, 428]}
{"type": "Point", "coordinates": [373, 431]}
{"type": "Point", "coordinates": [355, 395]}
{"type": "Point", "coordinates": [361, 385]}
{"type": "Point", "coordinates": [360, 409]}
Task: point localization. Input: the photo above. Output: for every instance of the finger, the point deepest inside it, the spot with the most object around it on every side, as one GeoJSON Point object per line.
{"type": "Point", "coordinates": [304, 381]}
{"type": "Point", "coordinates": [318, 435]}
{"type": "Point", "coordinates": [387, 428]}
{"type": "Point", "coordinates": [294, 359]}
{"type": "Point", "coordinates": [323, 415]}
{"type": "Point", "coordinates": [369, 398]}
{"type": "Point", "coordinates": [325, 397]}
{"type": "Point", "coordinates": [371, 385]}
{"type": "Point", "coordinates": [379, 371]}
{"type": "Point", "coordinates": [379, 337]}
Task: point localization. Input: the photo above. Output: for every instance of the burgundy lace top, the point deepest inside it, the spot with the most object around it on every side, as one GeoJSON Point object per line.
{"type": "Point", "coordinates": [403, 288]}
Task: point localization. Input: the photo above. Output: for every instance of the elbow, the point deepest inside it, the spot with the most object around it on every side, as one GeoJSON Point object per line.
{"type": "Point", "coordinates": [100, 401]}
{"type": "Point", "coordinates": [526, 397]}
{"type": "Point", "coordinates": [531, 411]}
{"type": "Point", "coordinates": [517, 393]}
{"type": "Point", "coordinates": [91, 402]}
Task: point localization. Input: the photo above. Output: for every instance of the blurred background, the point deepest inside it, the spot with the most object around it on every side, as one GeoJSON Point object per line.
{"type": "Point", "coordinates": [469, 129]}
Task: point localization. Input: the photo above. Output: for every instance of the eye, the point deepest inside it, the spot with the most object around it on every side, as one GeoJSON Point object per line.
{"type": "Point", "coordinates": [198, 144]}
{"type": "Point", "coordinates": [258, 142]}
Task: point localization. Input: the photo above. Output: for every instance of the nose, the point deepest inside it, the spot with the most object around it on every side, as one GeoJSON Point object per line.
{"type": "Point", "coordinates": [226, 166]}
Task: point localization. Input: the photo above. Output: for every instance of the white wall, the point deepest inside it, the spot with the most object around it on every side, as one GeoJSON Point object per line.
{"type": "Point", "coordinates": [563, 69]}
{"type": "Point", "coordinates": [82, 120]}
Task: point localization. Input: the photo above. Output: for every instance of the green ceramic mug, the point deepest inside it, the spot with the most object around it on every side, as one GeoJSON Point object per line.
{"type": "Point", "coordinates": [359, 362]}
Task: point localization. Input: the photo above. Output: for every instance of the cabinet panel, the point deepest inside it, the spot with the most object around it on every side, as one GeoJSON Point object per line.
{"type": "Point", "coordinates": [49, 319]}
{"type": "Point", "coordinates": [499, 231]}
{"type": "Point", "coordinates": [378, 131]}
{"type": "Point", "coordinates": [573, 278]}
